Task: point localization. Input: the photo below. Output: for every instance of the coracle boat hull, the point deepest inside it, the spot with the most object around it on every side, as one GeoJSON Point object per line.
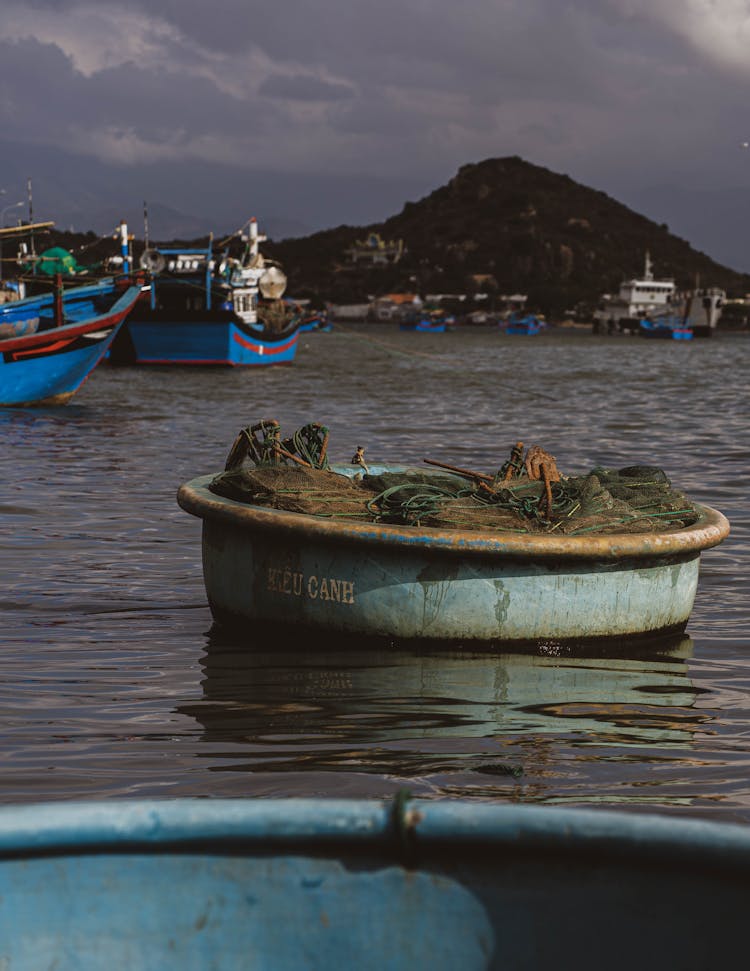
{"type": "Point", "coordinates": [269, 565]}
{"type": "Point", "coordinates": [321, 883]}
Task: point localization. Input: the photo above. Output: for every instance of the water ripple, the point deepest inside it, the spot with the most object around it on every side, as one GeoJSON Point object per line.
{"type": "Point", "coordinates": [112, 682]}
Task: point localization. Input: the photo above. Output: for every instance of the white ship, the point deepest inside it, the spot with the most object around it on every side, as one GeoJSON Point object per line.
{"type": "Point", "coordinates": [636, 299]}
{"type": "Point", "coordinates": [703, 310]}
{"type": "Point", "coordinates": [651, 299]}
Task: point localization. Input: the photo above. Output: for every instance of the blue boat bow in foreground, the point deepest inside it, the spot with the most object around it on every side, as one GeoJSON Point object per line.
{"type": "Point", "coordinates": [59, 340]}
{"type": "Point", "coordinates": [320, 884]}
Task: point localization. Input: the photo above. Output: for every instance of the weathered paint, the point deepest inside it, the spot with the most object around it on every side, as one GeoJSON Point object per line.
{"type": "Point", "coordinates": [406, 582]}
{"type": "Point", "coordinates": [209, 342]}
{"type": "Point", "coordinates": [318, 884]}
{"type": "Point", "coordinates": [49, 366]}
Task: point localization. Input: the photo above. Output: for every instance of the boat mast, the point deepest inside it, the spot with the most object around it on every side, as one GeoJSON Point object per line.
{"type": "Point", "coordinates": [209, 259]}
{"type": "Point", "coordinates": [255, 237]}
{"type": "Point", "coordinates": [31, 223]}
{"type": "Point", "coordinates": [124, 247]}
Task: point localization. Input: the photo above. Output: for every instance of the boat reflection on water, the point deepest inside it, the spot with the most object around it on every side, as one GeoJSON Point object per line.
{"type": "Point", "coordinates": [321, 705]}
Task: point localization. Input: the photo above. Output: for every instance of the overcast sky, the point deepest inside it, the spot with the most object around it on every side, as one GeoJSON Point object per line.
{"type": "Point", "coordinates": [645, 99]}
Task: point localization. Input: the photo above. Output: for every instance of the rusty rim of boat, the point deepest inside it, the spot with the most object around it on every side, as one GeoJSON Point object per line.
{"type": "Point", "coordinates": [710, 529]}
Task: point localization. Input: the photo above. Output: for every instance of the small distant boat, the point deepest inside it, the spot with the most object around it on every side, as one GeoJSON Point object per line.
{"type": "Point", "coordinates": [428, 323]}
{"type": "Point", "coordinates": [523, 324]}
{"type": "Point", "coordinates": [196, 316]}
{"type": "Point", "coordinates": [694, 313]}
{"type": "Point", "coordinates": [56, 340]}
{"type": "Point", "coordinates": [637, 298]}
{"type": "Point", "coordinates": [263, 565]}
{"type": "Point", "coordinates": [315, 323]}
{"type": "Point", "coordinates": [667, 327]}
{"type": "Point", "coordinates": [344, 883]}
{"type": "Point", "coordinates": [424, 327]}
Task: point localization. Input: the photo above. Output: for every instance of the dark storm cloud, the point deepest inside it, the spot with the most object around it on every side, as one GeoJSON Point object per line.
{"type": "Point", "coordinates": [422, 44]}
{"type": "Point", "coordinates": [486, 51]}
{"type": "Point", "coordinates": [617, 93]}
{"type": "Point", "coordinates": [150, 103]}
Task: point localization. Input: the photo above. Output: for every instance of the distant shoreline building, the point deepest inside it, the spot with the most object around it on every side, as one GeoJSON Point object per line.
{"type": "Point", "coordinates": [394, 306]}
{"type": "Point", "coordinates": [375, 251]}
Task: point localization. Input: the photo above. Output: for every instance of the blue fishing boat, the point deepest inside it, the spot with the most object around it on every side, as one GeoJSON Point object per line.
{"type": "Point", "coordinates": [198, 313]}
{"type": "Point", "coordinates": [57, 339]}
{"type": "Point", "coordinates": [398, 884]}
{"type": "Point", "coordinates": [263, 564]}
{"type": "Point", "coordinates": [655, 308]}
{"type": "Point", "coordinates": [315, 323]}
{"type": "Point", "coordinates": [666, 327]}
{"type": "Point", "coordinates": [423, 326]}
{"type": "Point", "coordinates": [435, 322]}
{"type": "Point", "coordinates": [523, 324]}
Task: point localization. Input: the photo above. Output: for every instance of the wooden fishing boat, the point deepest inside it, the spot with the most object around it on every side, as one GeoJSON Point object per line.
{"type": "Point", "coordinates": [666, 327]}
{"type": "Point", "coordinates": [214, 339]}
{"type": "Point", "coordinates": [318, 883]}
{"type": "Point", "coordinates": [526, 325]}
{"type": "Point", "coordinates": [315, 323]}
{"type": "Point", "coordinates": [269, 565]}
{"type": "Point", "coordinates": [63, 336]}
{"type": "Point", "coordinates": [424, 326]}
{"type": "Point", "coordinates": [435, 322]}
{"type": "Point", "coordinates": [196, 316]}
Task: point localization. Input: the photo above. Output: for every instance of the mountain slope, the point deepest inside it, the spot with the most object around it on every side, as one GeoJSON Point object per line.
{"type": "Point", "coordinates": [518, 226]}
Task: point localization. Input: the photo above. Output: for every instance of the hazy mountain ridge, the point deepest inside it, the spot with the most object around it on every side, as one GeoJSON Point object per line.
{"type": "Point", "coordinates": [196, 196]}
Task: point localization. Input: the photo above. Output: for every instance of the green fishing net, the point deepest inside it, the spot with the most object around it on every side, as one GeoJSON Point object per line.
{"type": "Point", "coordinates": [635, 499]}
{"type": "Point", "coordinates": [604, 501]}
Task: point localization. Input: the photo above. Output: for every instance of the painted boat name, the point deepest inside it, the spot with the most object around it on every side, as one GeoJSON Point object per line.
{"type": "Point", "coordinates": [313, 587]}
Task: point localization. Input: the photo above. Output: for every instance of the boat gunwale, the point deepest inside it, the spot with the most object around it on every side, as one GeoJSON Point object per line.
{"type": "Point", "coordinates": [711, 529]}
{"type": "Point", "coordinates": [252, 827]}
{"type": "Point", "coordinates": [122, 304]}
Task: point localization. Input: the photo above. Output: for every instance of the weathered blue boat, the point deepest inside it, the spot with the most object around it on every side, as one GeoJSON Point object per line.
{"type": "Point", "coordinates": [195, 317]}
{"type": "Point", "coordinates": [318, 883]}
{"type": "Point", "coordinates": [409, 582]}
{"type": "Point", "coordinates": [315, 323]}
{"type": "Point", "coordinates": [428, 323]}
{"type": "Point", "coordinates": [666, 327]}
{"type": "Point", "coordinates": [59, 339]}
{"type": "Point", "coordinates": [423, 326]}
{"type": "Point", "coordinates": [523, 324]}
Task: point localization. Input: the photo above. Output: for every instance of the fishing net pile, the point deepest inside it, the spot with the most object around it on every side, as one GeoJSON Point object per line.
{"type": "Point", "coordinates": [275, 315]}
{"type": "Point", "coordinates": [527, 494]}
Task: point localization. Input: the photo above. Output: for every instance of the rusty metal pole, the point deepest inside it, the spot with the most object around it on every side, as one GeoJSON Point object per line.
{"type": "Point", "coordinates": [59, 315]}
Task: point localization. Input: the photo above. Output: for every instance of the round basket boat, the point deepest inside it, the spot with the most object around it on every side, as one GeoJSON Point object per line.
{"type": "Point", "coordinates": [406, 582]}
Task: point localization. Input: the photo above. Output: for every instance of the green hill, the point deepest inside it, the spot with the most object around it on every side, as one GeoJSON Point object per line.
{"type": "Point", "coordinates": [515, 226]}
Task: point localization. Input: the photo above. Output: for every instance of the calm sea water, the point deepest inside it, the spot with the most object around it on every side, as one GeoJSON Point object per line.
{"type": "Point", "coordinates": [113, 683]}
